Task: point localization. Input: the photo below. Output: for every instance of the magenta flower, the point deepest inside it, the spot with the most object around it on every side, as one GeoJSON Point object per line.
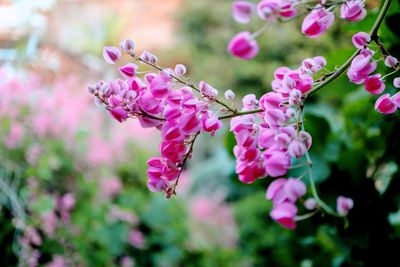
{"type": "Point", "coordinates": [390, 61]}
{"type": "Point", "coordinates": [127, 45]}
{"type": "Point", "coordinates": [128, 70]}
{"type": "Point", "coordinates": [317, 22]}
{"type": "Point", "coordinates": [243, 46]}
{"type": "Point", "coordinates": [353, 10]}
{"type": "Point", "coordinates": [374, 84]}
{"type": "Point", "coordinates": [361, 67]}
{"type": "Point", "coordinates": [361, 40]}
{"type": "Point", "coordinates": [111, 54]}
{"type": "Point", "coordinates": [344, 204]}
{"type": "Point", "coordinates": [119, 113]}
{"type": "Point", "coordinates": [385, 105]}
{"type": "Point", "coordinates": [285, 214]}
{"type": "Point", "coordinates": [242, 11]}
{"type": "Point", "coordinates": [276, 163]}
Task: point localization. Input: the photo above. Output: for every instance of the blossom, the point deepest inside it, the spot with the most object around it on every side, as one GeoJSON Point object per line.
{"type": "Point", "coordinates": [353, 10]}
{"type": "Point", "coordinates": [111, 54]}
{"type": "Point", "coordinates": [385, 105]}
{"type": "Point", "coordinates": [243, 46]}
{"type": "Point", "coordinates": [361, 40]}
{"type": "Point", "coordinates": [361, 67]}
{"type": "Point", "coordinates": [374, 84]}
{"type": "Point", "coordinates": [285, 214]}
{"type": "Point", "coordinates": [344, 204]}
{"type": "Point", "coordinates": [242, 11]}
{"type": "Point", "coordinates": [396, 82]}
{"type": "Point", "coordinates": [390, 61]}
{"type": "Point", "coordinates": [180, 69]}
{"type": "Point", "coordinates": [317, 22]}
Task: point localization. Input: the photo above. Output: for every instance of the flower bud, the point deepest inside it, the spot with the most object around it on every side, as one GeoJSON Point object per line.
{"type": "Point", "coordinates": [127, 45]}
{"type": "Point", "coordinates": [128, 70]}
{"type": "Point", "coordinates": [242, 11]}
{"type": "Point", "coordinates": [374, 85]}
{"type": "Point", "coordinates": [385, 105]}
{"type": "Point", "coordinates": [353, 10]}
{"type": "Point", "coordinates": [296, 149]}
{"type": "Point", "coordinates": [396, 82]}
{"type": "Point", "coordinates": [343, 205]}
{"type": "Point", "coordinates": [180, 69]}
{"type": "Point", "coordinates": [111, 54]}
{"type": "Point", "coordinates": [361, 40]}
{"type": "Point", "coordinates": [243, 46]}
{"type": "Point", "coordinates": [390, 61]}
{"type": "Point", "coordinates": [310, 204]}
{"type": "Point", "coordinates": [229, 94]}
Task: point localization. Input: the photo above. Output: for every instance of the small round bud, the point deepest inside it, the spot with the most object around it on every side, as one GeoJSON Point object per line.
{"type": "Point", "coordinates": [229, 94]}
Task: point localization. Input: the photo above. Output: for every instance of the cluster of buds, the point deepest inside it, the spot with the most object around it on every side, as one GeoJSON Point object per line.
{"type": "Point", "coordinates": [244, 44]}
{"type": "Point", "coordinates": [361, 72]}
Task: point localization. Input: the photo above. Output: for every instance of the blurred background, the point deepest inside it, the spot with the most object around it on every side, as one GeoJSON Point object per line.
{"type": "Point", "coordinates": [73, 181]}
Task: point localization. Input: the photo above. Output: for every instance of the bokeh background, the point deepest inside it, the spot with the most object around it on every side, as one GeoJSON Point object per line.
{"type": "Point", "coordinates": [73, 181]}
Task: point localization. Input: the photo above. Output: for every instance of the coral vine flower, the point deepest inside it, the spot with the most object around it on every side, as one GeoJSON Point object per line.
{"type": "Point", "coordinates": [353, 10]}
{"type": "Point", "coordinates": [385, 104]}
{"type": "Point", "coordinates": [344, 204]}
{"type": "Point", "coordinates": [374, 84]}
{"type": "Point", "coordinates": [111, 54]}
{"type": "Point", "coordinates": [242, 11]}
{"type": "Point", "coordinates": [361, 40]}
{"type": "Point", "coordinates": [243, 46]}
{"type": "Point", "coordinates": [317, 22]}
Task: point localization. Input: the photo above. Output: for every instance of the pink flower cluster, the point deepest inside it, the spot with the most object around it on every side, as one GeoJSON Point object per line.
{"type": "Point", "coordinates": [159, 101]}
{"type": "Point", "coordinates": [361, 72]}
{"type": "Point", "coordinates": [244, 44]}
{"type": "Point", "coordinates": [267, 141]}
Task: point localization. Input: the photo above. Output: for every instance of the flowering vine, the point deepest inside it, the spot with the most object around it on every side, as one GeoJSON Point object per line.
{"type": "Point", "coordinates": [270, 131]}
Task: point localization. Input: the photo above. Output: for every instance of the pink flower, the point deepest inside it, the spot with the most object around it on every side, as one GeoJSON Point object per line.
{"type": "Point", "coordinates": [128, 70]}
{"type": "Point", "coordinates": [353, 10]}
{"type": "Point", "coordinates": [313, 65]}
{"type": "Point", "coordinates": [385, 105]}
{"type": "Point", "coordinates": [396, 99]}
{"type": "Point", "coordinates": [207, 90]}
{"type": "Point", "coordinates": [242, 11]}
{"type": "Point", "coordinates": [396, 82]}
{"type": "Point", "coordinates": [180, 69]}
{"type": "Point", "coordinates": [360, 68]}
{"type": "Point", "coordinates": [361, 40]}
{"type": "Point", "coordinates": [211, 123]}
{"type": "Point", "coordinates": [127, 45]}
{"type": "Point", "coordinates": [285, 214]}
{"type": "Point", "coordinates": [374, 84]}
{"type": "Point", "coordinates": [270, 9]}
{"type": "Point", "coordinates": [344, 204]}
{"type": "Point", "coordinates": [317, 22]}
{"type": "Point", "coordinates": [296, 149]}
{"type": "Point", "coordinates": [149, 57]}
{"type": "Point", "coordinates": [310, 204]}
{"type": "Point", "coordinates": [249, 172]}
{"type": "Point", "coordinates": [285, 190]}
{"type": "Point", "coordinates": [390, 61]}
{"type": "Point", "coordinates": [111, 54]}
{"type": "Point", "coordinates": [243, 46]}
{"type": "Point", "coordinates": [229, 94]}
{"type": "Point", "coordinates": [119, 113]}
{"type": "Point", "coordinates": [277, 163]}
{"type": "Point", "coordinates": [136, 239]}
